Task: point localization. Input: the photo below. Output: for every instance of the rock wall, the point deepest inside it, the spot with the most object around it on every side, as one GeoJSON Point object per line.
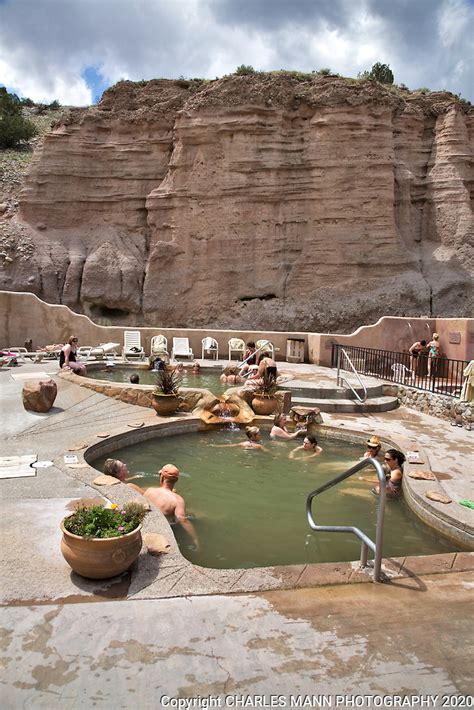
{"type": "Point", "coordinates": [254, 201]}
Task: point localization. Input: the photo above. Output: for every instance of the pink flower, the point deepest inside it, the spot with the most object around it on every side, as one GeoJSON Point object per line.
{"type": "Point", "coordinates": [120, 528]}
{"type": "Point", "coordinates": [123, 512]}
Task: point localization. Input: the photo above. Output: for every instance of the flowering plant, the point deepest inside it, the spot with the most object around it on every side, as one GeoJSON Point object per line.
{"type": "Point", "coordinates": [97, 521]}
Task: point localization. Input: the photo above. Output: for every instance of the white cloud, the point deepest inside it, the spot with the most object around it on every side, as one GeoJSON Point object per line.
{"type": "Point", "coordinates": [45, 45]}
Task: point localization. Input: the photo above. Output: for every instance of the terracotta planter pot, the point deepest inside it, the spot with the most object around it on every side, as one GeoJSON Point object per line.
{"type": "Point", "coordinates": [165, 404]}
{"type": "Point", "coordinates": [100, 558]}
{"type": "Point", "coordinates": [264, 404]}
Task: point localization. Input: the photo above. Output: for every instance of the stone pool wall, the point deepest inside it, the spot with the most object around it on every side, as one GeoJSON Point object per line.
{"type": "Point", "coordinates": [437, 405]}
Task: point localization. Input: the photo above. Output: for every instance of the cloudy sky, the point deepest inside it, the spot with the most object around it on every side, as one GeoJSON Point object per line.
{"type": "Point", "coordinates": [71, 50]}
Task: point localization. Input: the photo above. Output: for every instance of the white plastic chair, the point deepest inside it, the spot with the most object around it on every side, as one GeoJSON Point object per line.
{"type": "Point", "coordinates": [210, 347]}
{"type": "Point", "coordinates": [159, 347]}
{"type": "Point", "coordinates": [181, 348]}
{"type": "Point", "coordinates": [236, 345]}
{"type": "Point", "coordinates": [132, 346]}
{"type": "Point", "coordinates": [264, 345]}
{"type": "Point", "coordinates": [400, 372]}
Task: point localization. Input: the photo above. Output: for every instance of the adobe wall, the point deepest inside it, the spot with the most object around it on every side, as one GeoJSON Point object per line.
{"type": "Point", "coordinates": [398, 334]}
{"type": "Point", "coordinates": [24, 315]}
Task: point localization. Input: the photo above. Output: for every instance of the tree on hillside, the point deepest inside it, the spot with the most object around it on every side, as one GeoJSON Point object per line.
{"type": "Point", "coordinates": [245, 69]}
{"type": "Point", "coordinates": [13, 127]}
{"type": "Point", "coordinates": [379, 72]}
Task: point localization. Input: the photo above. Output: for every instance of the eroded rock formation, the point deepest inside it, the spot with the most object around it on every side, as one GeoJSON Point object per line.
{"type": "Point", "coordinates": [252, 202]}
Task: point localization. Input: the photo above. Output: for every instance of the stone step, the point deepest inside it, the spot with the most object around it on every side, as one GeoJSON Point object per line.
{"type": "Point", "coordinates": [375, 404]}
{"type": "Point", "coordinates": [300, 388]}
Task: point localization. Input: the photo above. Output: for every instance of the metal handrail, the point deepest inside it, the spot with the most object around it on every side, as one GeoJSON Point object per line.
{"type": "Point", "coordinates": [365, 540]}
{"type": "Point", "coordinates": [257, 350]}
{"type": "Point", "coordinates": [340, 377]}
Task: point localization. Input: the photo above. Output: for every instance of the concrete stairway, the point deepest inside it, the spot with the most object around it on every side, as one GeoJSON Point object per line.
{"type": "Point", "coordinates": [331, 398]}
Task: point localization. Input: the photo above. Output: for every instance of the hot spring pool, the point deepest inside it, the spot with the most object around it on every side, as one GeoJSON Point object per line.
{"type": "Point", "coordinates": [207, 379]}
{"type": "Point", "coordinates": [248, 507]}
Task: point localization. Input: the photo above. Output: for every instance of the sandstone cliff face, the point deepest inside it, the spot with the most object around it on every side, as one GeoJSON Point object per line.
{"type": "Point", "coordinates": [252, 202]}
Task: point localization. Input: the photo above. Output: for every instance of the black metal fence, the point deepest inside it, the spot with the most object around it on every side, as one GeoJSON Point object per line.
{"type": "Point", "coordinates": [440, 374]}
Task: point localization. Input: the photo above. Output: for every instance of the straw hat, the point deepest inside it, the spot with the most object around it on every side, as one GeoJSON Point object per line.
{"type": "Point", "coordinates": [374, 441]}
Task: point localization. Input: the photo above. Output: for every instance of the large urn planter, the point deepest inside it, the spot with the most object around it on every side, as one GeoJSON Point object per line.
{"type": "Point", "coordinates": [165, 404]}
{"type": "Point", "coordinates": [264, 404]}
{"type": "Point", "coordinates": [100, 558]}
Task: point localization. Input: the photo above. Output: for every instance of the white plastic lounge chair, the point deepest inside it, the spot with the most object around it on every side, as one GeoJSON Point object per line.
{"type": "Point", "coordinates": [400, 372]}
{"type": "Point", "coordinates": [132, 346]}
{"type": "Point", "coordinates": [181, 348]}
{"type": "Point", "coordinates": [159, 347]}
{"type": "Point", "coordinates": [210, 348]}
{"type": "Point", "coordinates": [236, 345]}
{"type": "Point", "coordinates": [84, 352]}
{"type": "Point", "coordinates": [264, 345]}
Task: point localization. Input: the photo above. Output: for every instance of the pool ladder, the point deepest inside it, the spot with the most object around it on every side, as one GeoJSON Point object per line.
{"type": "Point", "coordinates": [366, 542]}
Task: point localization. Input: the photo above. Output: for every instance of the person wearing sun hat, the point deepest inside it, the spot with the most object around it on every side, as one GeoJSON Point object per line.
{"type": "Point", "coordinates": [374, 446]}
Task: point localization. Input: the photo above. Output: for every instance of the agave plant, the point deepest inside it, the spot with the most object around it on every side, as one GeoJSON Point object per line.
{"type": "Point", "coordinates": [269, 384]}
{"type": "Point", "coordinates": [167, 382]}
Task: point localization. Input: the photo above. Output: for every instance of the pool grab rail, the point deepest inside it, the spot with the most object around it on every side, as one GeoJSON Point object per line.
{"type": "Point", "coordinates": [262, 347]}
{"type": "Point", "coordinates": [340, 378]}
{"type": "Point", "coordinates": [366, 542]}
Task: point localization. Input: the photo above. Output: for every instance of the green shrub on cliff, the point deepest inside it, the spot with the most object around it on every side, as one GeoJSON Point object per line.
{"type": "Point", "coordinates": [13, 127]}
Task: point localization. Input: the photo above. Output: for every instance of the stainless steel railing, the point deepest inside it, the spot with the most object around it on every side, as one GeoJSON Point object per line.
{"type": "Point", "coordinates": [366, 542]}
{"type": "Point", "coordinates": [343, 354]}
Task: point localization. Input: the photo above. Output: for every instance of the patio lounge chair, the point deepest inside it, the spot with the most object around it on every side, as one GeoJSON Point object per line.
{"type": "Point", "coordinates": [132, 346]}
{"type": "Point", "coordinates": [159, 348]}
{"type": "Point", "coordinates": [236, 345]}
{"type": "Point", "coordinates": [210, 347]}
{"type": "Point", "coordinates": [181, 348]}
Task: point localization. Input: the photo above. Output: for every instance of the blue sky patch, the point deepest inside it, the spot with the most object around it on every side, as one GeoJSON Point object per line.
{"type": "Point", "coordinates": [95, 81]}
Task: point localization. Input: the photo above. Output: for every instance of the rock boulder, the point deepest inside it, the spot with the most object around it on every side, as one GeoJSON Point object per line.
{"type": "Point", "coordinates": [39, 396]}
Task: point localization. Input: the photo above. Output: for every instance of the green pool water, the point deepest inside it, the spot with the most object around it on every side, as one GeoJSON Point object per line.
{"type": "Point", "coordinates": [207, 379]}
{"type": "Point", "coordinates": [248, 507]}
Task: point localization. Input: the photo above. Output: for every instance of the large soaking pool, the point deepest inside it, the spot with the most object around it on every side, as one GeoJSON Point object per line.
{"type": "Point", "coordinates": [248, 507]}
{"type": "Point", "coordinates": [206, 379]}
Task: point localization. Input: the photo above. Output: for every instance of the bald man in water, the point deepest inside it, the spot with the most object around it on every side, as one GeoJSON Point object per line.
{"type": "Point", "coordinates": [168, 501]}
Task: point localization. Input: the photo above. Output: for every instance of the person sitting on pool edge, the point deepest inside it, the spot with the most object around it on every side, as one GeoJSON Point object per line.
{"type": "Point", "coordinates": [254, 438]}
{"type": "Point", "coordinates": [279, 430]}
{"type": "Point", "coordinates": [164, 498]}
{"type": "Point", "coordinates": [309, 448]}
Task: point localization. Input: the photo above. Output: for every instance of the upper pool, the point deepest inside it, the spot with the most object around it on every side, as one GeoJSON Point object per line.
{"type": "Point", "coordinates": [248, 507]}
{"type": "Point", "coordinates": [207, 378]}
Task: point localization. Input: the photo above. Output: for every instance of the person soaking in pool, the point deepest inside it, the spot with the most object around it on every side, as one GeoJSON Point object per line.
{"type": "Point", "coordinates": [169, 502]}
{"type": "Point", "coordinates": [279, 430]}
{"type": "Point", "coordinates": [308, 449]}
{"type": "Point", "coordinates": [164, 498]}
{"type": "Point", "coordinates": [394, 459]}
{"type": "Point", "coordinates": [254, 438]}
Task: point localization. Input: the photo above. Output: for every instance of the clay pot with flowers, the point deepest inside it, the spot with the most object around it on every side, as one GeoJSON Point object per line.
{"type": "Point", "coordinates": [165, 399]}
{"type": "Point", "coordinates": [101, 542]}
{"type": "Point", "coordinates": [264, 401]}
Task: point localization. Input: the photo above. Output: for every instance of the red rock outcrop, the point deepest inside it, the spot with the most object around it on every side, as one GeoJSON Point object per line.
{"type": "Point", "coordinates": [253, 202]}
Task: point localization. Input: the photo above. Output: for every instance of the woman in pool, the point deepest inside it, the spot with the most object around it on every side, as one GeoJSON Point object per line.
{"type": "Point", "coordinates": [279, 430]}
{"type": "Point", "coordinates": [308, 449]}
{"type": "Point", "coordinates": [254, 438]}
{"type": "Point", "coordinates": [119, 469]}
{"type": "Point", "coordinates": [230, 376]}
{"type": "Point", "coordinates": [394, 459]}
{"type": "Point", "coordinates": [67, 357]}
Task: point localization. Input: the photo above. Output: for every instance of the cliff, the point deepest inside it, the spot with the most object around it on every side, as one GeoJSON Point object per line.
{"type": "Point", "coordinates": [261, 201]}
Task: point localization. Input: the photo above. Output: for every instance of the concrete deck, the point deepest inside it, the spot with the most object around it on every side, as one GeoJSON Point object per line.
{"type": "Point", "coordinates": [361, 638]}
